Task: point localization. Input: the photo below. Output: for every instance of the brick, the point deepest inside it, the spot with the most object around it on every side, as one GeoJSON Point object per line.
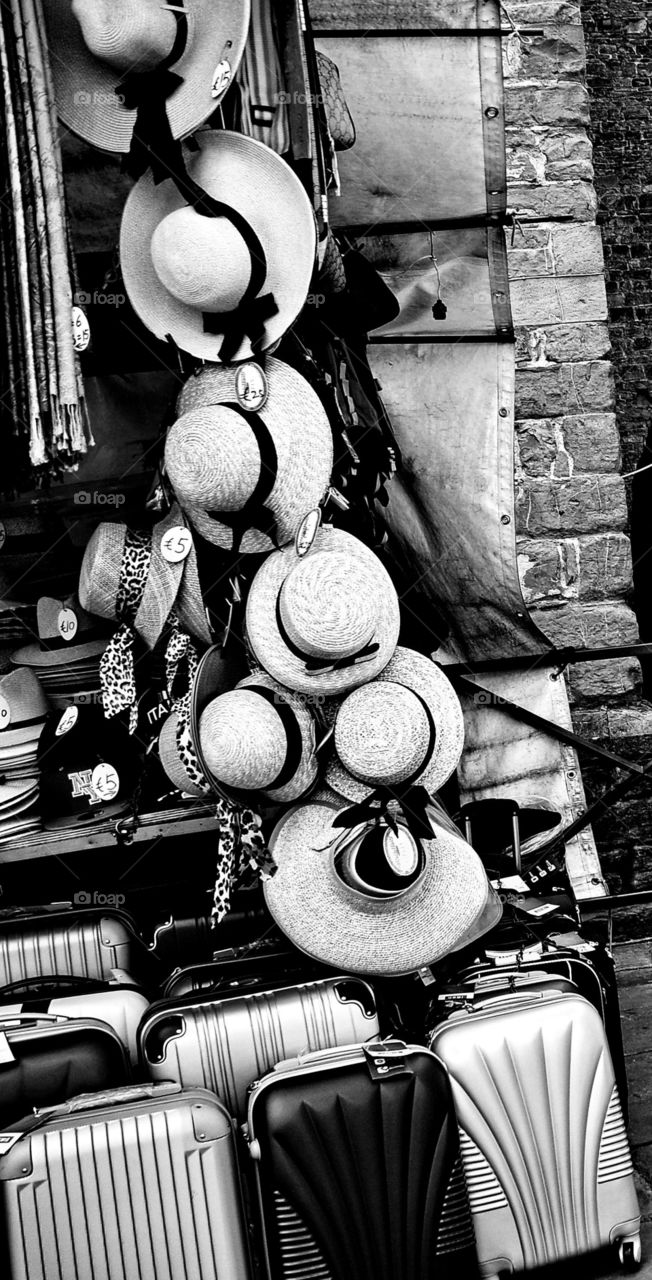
{"type": "Point", "coordinates": [539, 13]}
{"type": "Point", "coordinates": [555, 250]}
{"type": "Point", "coordinates": [586, 567]}
{"type": "Point", "coordinates": [562, 389]}
{"type": "Point", "coordinates": [557, 54]}
{"type": "Point", "coordinates": [601, 680]}
{"type": "Point", "coordinates": [544, 302]}
{"type": "Point", "coordinates": [629, 722]}
{"type": "Point", "coordinates": [565, 343]}
{"type": "Point", "coordinates": [557, 104]}
{"type": "Point", "coordinates": [575, 200]}
{"type": "Point", "coordinates": [580, 504]}
{"type": "Point", "coordinates": [591, 440]}
{"type": "Point", "coordinates": [582, 625]}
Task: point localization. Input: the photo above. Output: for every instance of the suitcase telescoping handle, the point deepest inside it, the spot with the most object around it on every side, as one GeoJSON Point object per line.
{"type": "Point", "coordinates": [85, 1102]}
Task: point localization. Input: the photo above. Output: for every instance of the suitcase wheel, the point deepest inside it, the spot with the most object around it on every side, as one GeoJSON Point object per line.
{"type": "Point", "coordinates": [629, 1253]}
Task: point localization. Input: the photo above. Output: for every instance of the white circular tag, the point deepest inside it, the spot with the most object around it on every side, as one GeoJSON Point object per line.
{"type": "Point", "coordinates": [5, 713]}
{"type": "Point", "coordinates": [307, 532]}
{"type": "Point", "coordinates": [401, 852]}
{"type": "Point", "coordinates": [176, 543]}
{"type": "Point", "coordinates": [81, 330]}
{"type": "Point", "coordinates": [105, 781]}
{"type": "Point", "coordinates": [221, 78]}
{"type": "Point", "coordinates": [251, 389]}
{"type": "Point", "coordinates": [68, 719]}
{"type": "Point", "coordinates": [3, 535]}
{"type": "Point", "coordinates": [67, 624]}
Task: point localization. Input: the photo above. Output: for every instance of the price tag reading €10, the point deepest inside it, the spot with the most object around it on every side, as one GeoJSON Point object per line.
{"type": "Point", "coordinates": [176, 543]}
{"type": "Point", "coordinates": [67, 624]}
{"type": "Point", "coordinates": [5, 713]}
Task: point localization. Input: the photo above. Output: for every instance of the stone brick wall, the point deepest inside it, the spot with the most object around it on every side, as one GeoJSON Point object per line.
{"type": "Point", "coordinates": [572, 516]}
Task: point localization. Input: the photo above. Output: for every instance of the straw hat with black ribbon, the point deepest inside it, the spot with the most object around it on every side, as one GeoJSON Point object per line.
{"type": "Point", "coordinates": [398, 738]}
{"type": "Point", "coordinates": [142, 67]}
{"type": "Point", "coordinates": [375, 900]}
{"type": "Point", "coordinates": [218, 259]}
{"type": "Point", "coordinates": [142, 580]}
{"type": "Point", "coordinates": [324, 622]}
{"type": "Point", "coordinates": [246, 476]}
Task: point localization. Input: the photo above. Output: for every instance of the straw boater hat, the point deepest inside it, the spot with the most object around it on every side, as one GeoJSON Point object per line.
{"type": "Point", "coordinates": [185, 273]}
{"type": "Point", "coordinates": [236, 472]}
{"type": "Point", "coordinates": [66, 633]}
{"type": "Point", "coordinates": [22, 712]}
{"type": "Point", "coordinates": [126, 577]}
{"type": "Point", "coordinates": [325, 622]}
{"type": "Point", "coordinates": [370, 901]}
{"type": "Point", "coordinates": [96, 45]}
{"type": "Point", "coordinates": [404, 728]}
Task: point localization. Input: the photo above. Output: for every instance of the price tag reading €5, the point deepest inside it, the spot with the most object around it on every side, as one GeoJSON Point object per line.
{"type": "Point", "coordinates": [176, 543]}
{"type": "Point", "coordinates": [67, 624]}
{"type": "Point", "coordinates": [251, 389]}
{"type": "Point", "coordinates": [5, 713]}
{"type": "Point", "coordinates": [81, 331]}
{"type": "Point", "coordinates": [105, 781]}
{"type": "Point", "coordinates": [221, 78]}
{"type": "Point", "coordinates": [68, 719]}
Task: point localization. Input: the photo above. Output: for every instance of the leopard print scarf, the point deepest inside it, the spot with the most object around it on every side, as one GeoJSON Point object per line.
{"type": "Point", "coordinates": [242, 852]}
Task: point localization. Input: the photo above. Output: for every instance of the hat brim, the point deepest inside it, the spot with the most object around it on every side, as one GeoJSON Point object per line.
{"type": "Point", "coordinates": [299, 427]}
{"type": "Point", "coordinates": [446, 909]}
{"type": "Point", "coordinates": [269, 646]}
{"type": "Point", "coordinates": [23, 735]}
{"type": "Point", "coordinates": [259, 185]}
{"type": "Point", "coordinates": [84, 87]}
{"type": "Point", "coordinates": [33, 656]}
{"type": "Point", "coordinates": [306, 771]}
{"type": "Point", "coordinates": [424, 677]}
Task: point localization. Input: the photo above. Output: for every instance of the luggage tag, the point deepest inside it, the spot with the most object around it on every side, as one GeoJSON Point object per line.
{"type": "Point", "coordinates": [388, 1059]}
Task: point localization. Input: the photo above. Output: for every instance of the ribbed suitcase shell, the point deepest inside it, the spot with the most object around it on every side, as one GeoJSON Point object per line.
{"type": "Point", "coordinates": [122, 1009]}
{"type": "Point", "coordinates": [226, 1044]}
{"type": "Point", "coordinates": [133, 1189]}
{"type": "Point", "coordinates": [90, 944]}
{"type": "Point", "coordinates": [544, 1145]}
{"type": "Point", "coordinates": [360, 1178]}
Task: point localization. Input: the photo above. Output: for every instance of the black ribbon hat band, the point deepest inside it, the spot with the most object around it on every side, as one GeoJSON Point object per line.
{"type": "Point", "coordinates": [254, 514]}
{"type": "Point", "coordinates": [292, 729]}
{"type": "Point", "coordinates": [322, 664]}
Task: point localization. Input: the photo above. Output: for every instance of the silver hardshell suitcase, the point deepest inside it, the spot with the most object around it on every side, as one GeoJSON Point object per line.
{"type": "Point", "coordinates": [224, 1044]}
{"type": "Point", "coordinates": [133, 1183]}
{"type": "Point", "coordinates": [89, 943]}
{"type": "Point", "coordinates": [543, 1140]}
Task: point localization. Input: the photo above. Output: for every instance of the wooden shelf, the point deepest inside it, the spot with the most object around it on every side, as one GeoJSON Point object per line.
{"type": "Point", "coordinates": [182, 821]}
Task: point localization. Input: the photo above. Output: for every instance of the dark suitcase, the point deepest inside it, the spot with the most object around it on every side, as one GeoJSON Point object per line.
{"type": "Point", "coordinates": [89, 943]}
{"type": "Point", "coordinates": [545, 1151]}
{"type": "Point", "coordinates": [132, 1184]}
{"type": "Point", "coordinates": [120, 1004]}
{"type": "Point", "coordinates": [358, 1168]}
{"type": "Point", "coordinates": [253, 966]}
{"type": "Point", "coordinates": [225, 1044]}
{"type": "Point", "coordinates": [45, 1059]}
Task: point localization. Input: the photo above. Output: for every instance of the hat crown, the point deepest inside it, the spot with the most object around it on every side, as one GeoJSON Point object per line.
{"type": "Point", "coordinates": [48, 612]}
{"type": "Point", "coordinates": [243, 739]}
{"type": "Point", "coordinates": [128, 35]}
{"type": "Point", "coordinates": [22, 692]}
{"type": "Point", "coordinates": [203, 262]}
{"type": "Point", "coordinates": [212, 459]}
{"type": "Point", "coordinates": [381, 864]}
{"type": "Point", "coordinates": [382, 733]}
{"type": "Point", "coordinates": [328, 606]}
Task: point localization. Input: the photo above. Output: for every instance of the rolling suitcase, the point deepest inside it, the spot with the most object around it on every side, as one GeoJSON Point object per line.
{"type": "Point", "coordinates": [138, 1182]}
{"type": "Point", "coordinates": [120, 1004]}
{"type": "Point", "coordinates": [226, 1044]}
{"type": "Point", "coordinates": [88, 943]}
{"type": "Point", "coordinates": [254, 965]}
{"type": "Point", "coordinates": [545, 1151]}
{"type": "Point", "coordinates": [358, 1169]}
{"type": "Point", "coordinates": [46, 1059]}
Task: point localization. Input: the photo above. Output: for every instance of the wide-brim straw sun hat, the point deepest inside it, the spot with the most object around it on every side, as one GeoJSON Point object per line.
{"type": "Point", "coordinates": [246, 479]}
{"type": "Point", "coordinates": [259, 737]}
{"type": "Point", "coordinates": [404, 728]}
{"type": "Point", "coordinates": [324, 622]}
{"type": "Point", "coordinates": [205, 261]}
{"type": "Point", "coordinates": [22, 712]}
{"type": "Point", "coordinates": [66, 633]}
{"type": "Point", "coordinates": [87, 76]}
{"type": "Point", "coordinates": [446, 905]}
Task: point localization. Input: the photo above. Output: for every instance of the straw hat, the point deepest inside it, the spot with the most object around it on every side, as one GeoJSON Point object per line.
{"type": "Point", "coordinates": [265, 468]}
{"type": "Point", "coordinates": [179, 764]}
{"type": "Point", "coordinates": [324, 622]}
{"type": "Point", "coordinates": [117, 561]}
{"type": "Point", "coordinates": [95, 44]}
{"type": "Point", "coordinates": [406, 727]}
{"type": "Point", "coordinates": [66, 632]}
{"type": "Point", "coordinates": [178, 745]}
{"type": "Point", "coordinates": [184, 272]}
{"type": "Point", "coordinates": [365, 903]}
{"type": "Point", "coordinates": [22, 711]}
{"type": "Point", "coordinates": [259, 737]}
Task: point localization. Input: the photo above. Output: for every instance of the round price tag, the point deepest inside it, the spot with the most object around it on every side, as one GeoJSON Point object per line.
{"type": "Point", "coordinates": [251, 389]}
{"type": "Point", "coordinates": [68, 719]}
{"type": "Point", "coordinates": [81, 330]}
{"type": "Point", "coordinates": [221, 78]}
{"type": "Point", "coordinates": [67, 624]}
{"type": "Point", "coordinates": [105, 781]}
{"type": "Point", "coordinates": [307, 532]}
{"type": "Point", "coordinates": [176, 544]}
{"type": "Point", "coordinates": [5, 713]}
